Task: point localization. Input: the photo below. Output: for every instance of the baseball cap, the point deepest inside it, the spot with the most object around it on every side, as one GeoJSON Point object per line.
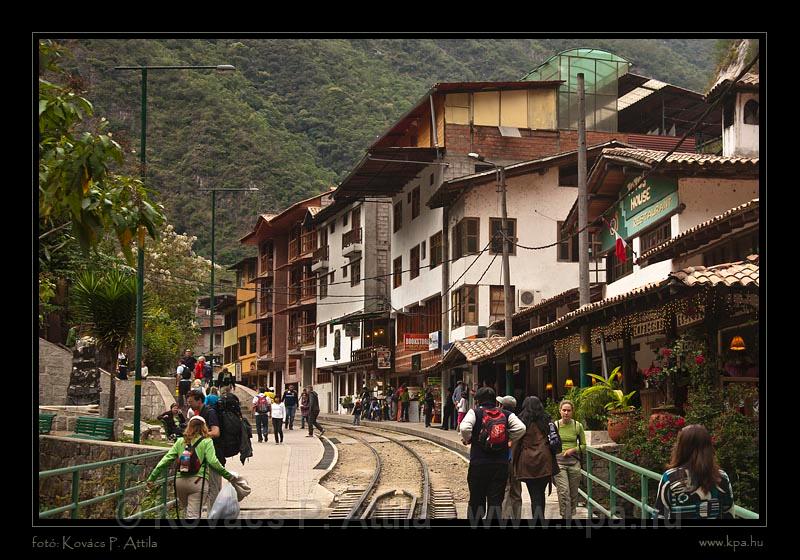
{"type": "Point", "coordinates": [508, 401]}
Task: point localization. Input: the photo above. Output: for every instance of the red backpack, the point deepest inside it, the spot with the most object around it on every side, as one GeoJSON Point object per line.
{"type": "Point", "coordinates": [493, 436]}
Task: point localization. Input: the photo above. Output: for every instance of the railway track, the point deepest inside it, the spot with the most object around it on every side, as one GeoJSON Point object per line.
{"type": "Point", "coordinates": [394, 501]}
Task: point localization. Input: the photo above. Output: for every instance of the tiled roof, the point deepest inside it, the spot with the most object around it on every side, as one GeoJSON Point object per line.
{"type": "Point", "coordinates": [749, 81]}
{"type": "Point", "coordinates": [651, 157]}
{"type": "Point", "coordinates": [475, 348]}
{"type": "Point", "coordinates": [745, 208]}
{"type": "Point", "coordinates": [743, 274]}
{"type": "Point", "coordinates": [528, 311]}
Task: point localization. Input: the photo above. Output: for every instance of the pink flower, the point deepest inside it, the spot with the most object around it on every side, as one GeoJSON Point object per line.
{"type": "Point", "coordinates": [666, 352]}
{"type": "Point", "coordinates": [681, 422]}
{"type": "Point", "coordinates": [637, 452]}
{"type": "Point", "coordinates": [699, 359]}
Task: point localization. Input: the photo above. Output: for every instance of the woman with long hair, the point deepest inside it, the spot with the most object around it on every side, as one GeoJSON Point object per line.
{"type": "Point", "coordinates": [193, 454]}
{"type": "Point", "coordinates": [533, 462]}
{"type": "Point", "coordinates": [694, 487]}
{"type": "Point", "coordinates": [573, 440]}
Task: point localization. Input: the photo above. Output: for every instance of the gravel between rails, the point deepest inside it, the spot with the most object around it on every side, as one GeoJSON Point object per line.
{"type": "Point", "coordinates": [447, 470]}
{"type": "Point", "coordinates": [356, 467]}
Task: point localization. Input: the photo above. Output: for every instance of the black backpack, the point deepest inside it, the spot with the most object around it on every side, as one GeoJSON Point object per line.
{"type": "Point", "coordinates": [554, 439]}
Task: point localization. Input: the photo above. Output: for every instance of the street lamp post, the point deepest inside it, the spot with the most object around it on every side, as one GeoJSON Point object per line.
{"type": "Point", "coordinates": [508, 296]}
{"type": "Point", "coordinates": [213, 227]}
{"type": "Point", "coordinates": [137, 395]}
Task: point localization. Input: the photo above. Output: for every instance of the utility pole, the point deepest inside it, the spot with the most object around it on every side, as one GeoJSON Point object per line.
{"type": "Point", "coordinates": [583, 235]}
{"type": "Point", "coordinates": [509, 297]}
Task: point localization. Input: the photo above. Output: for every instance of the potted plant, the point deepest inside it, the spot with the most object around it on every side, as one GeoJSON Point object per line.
{"type": "Point", "coordinates": [348, 403]}
{"type": "Point", "coordinates": [619, 408]}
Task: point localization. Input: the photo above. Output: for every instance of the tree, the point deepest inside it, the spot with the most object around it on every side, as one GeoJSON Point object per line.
{"type": "Point", "coordinates": [79, 196]}
{"type": "Point", "coordinates": [106, 303]}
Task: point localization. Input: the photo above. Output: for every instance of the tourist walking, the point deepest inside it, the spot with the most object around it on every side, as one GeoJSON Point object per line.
{"type": "Point", "coordinates": [533, 462]}
{"type": "Point", "coordinates": [568, 479]}
{"type": "Point", "coordinates": [183, 376]}
{"type": "Point", "coordinates": [195, 455]}
{"type": "Point", "coordinates": [303, 408]}
{"type": "Point", "coordinates": [405, 403]}
{"type": "Point", "coordinates": [488, 431]}
{"type": "Point", "coordinates": [694, 487]}
{"type": "Point", "coordinates": [357, 414]}
{"type": "Point", "coordinates": [208, 375]}
{"type": "Point", "coordinates": [261, 409]}
{"type": "Point", "coordinates": [189, 361]}
{"type": "Point", "coordinates": [463, 407]}
{"type": "Point", "coordinates": [313, 412]}
{"type": "Point", "coordinates": [290, 400]}
{"type": "Point", "coordinates": [122, 366]}
{"type": "Point", "coordinates": [198, 368]}
{"type": "Point", "coordinates": [512, 500]}
{"type": "Point", "coordinates": [278, 411]}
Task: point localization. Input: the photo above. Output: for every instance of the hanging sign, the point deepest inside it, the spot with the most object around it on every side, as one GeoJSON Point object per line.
{"type": "Point", "coordinates": [416, 341]}
{"type": "Point", "coordinates": [434, 340]}
{"type": "Point", "coordinates": [384, 358]}
{"type": "Point", "coordinates": [540, 360]}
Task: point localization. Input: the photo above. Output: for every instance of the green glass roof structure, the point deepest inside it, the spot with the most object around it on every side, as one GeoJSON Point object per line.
{"type": "Point", "coordinates": [601, 70]}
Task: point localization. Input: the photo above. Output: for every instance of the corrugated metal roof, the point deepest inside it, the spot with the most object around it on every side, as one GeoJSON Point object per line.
{"type": "Point", "coordinates": [639, 93]}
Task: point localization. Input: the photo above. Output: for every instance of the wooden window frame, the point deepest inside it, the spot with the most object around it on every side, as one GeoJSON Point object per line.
{"type": "Point", "coordinates": [397, 272]}
{"type": "Point", "coordinates": [462, 237]}
{"type": "Point", "coordinates": [355, 272]}
{"type": "Point", "coordinates": [414, 262]}
{"type": "Point", "coordinates": [497, 243]}
{"type": "Point", "coordinates": [464, 309]}
{"type": "Point", "coordinates": [397, 217]}
{"type": "Point", "coordinates": [436, 250]}
{"type": "Point", "coordinates": [415, 202]}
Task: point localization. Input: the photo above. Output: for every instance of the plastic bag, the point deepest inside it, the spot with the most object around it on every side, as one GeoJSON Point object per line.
{"type": "Point", "coordinates": [226, 506]}
{"type": "Point", "coordinates": [240, 484]}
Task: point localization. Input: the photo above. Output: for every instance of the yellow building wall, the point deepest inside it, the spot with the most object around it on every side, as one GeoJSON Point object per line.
{"type": "Point", "coordinates": [229, 338]}
{"type": "Point", "coordinates": [438, 104]}
{"type": "Point", "coordinates": [514, 108]}
{"type": "Point", "coordinates": [456, 108]}
{"type": "Point", "coordinates": [542, 109]}
{"type": "Point", "coordinates": [424, 131]}
{"type": "Point", "coordinates": [487, 108]}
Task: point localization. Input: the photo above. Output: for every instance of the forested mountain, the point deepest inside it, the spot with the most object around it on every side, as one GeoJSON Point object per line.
{"type": "Point", "coordinates": [299, 113]}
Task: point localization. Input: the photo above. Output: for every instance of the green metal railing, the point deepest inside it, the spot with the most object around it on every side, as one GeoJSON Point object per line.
{"type": "Point", "coordinates": [119, 494]}
{"type": "Point", "coordinates": [645, 476]}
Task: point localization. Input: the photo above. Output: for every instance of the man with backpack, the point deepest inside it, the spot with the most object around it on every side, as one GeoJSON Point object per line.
{"type": "Point", "coordinates": [184, 377]}
{"type": "Point", "coordinates": [489, 431]}
{"type": "Point", "coordinates": [226, 379]}
{"type": "Point", "coordinates": [208, 375]}
{"type": "Point", "coordinates": [261, 408]}
{"type": "Point", "coordinates": [290, 400]}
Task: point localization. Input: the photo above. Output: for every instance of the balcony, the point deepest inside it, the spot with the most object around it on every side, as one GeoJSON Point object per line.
{"type": "Point", "coordinates": [265, 267]}
{"type": "Point", "coordinates": [367, 358]}
{"type": "Point", "coordinates": [352, 243]}
{"type": "Point", "coordinates": [302, 335]}
{"type": "Point", "coordinates": [302, 247]}
{"type": "Point", "coordinates": [319, 260]}
{"type": "Point", "coordinates": [308, 289]}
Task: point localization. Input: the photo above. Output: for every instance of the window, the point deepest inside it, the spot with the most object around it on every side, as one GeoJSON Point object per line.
{"type": "Point", "coordinates": [408, 198]}
{"type": "Point", "coordinates": [431, 178]}
{"type": "Point", "coordinates": [436, 250]}
{"type": "Point", "coordinates": [421, 318]}
{"type": "Point", "coordinates": [497, 237]}
{"type": "Point", "coordinates": [323, 286]}
{"type": "Point", "coordinates": [252, 343]}
{"type": "Point", "coordinates": [217, 339]}
{"type": "Point", "coordinates": [397, 271]}
{"type": "Point", "coordinates": [355, 273]}
{"type": "Point", "coordinates": [251, 308]}
{"type": "Point", "coordinates": [323, 336]}
{"type": "Point", "coordinates": [337, 345]}
{"type": "Point", "coordinates": [398, 217]}
{"type": "Point", "coordinates": [344, 271]}
{"type": "Point", "coordinates": [568, 175]}
{"type": "Point", "coordinates": [751, 112]}
{"type": "Point", "coordinates": [415, 203]}
{"type": "Point", "coordinates": [620, 269]}
{"type": "Point", "coordinates": [333, 227]}
{"type": "Point", "coordinates": [656, 237]}
{"type": "Point", "coordinates": [728, 112]}
{"type": "Point", "coordinates": [497, 303]}
{"type": "Point", "coordinates": [331, 277]}
{"type": "Point", "coordinates": [414, 262]}
{"type": "Point", "coordinates": [423, 251]}
{"type": "Point", "coordinates": [241, 312]}
{"type": "Point", "coordinates": [344, 219]}
{"type": "Point", "coordinates": [465, 237]}
{"type": "Point", "coordinates": [242, 345]}
{"type": "Point", "coordinates": [567, 245]}
{"type": "Point", "coordinates": [464, 306]}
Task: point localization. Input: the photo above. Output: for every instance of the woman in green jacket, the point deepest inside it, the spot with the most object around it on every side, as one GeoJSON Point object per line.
{"type": "Point", "coordinates": [568, 479]}
{"type": "Point", "coordinates": [193, 461]}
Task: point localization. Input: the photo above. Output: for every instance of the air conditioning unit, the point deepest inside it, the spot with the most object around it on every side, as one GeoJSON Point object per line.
{"type": "Point", "coordinates": [528, 298]}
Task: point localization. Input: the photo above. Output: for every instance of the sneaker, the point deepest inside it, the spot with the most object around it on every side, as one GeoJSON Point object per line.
{"type": "Point", "coordinates": [309, 435]}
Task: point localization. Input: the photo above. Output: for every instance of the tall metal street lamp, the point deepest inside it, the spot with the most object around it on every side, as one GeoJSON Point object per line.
{"type": "Point", "coordinates": [509, 297]}
{"type": "Point", "coordinates": [137, 395]}
{"type": "Point", "coordinates": [213, 226]}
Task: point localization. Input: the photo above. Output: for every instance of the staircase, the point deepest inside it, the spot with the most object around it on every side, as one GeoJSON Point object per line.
{"type": "Point", "coordinates": [245, 395]}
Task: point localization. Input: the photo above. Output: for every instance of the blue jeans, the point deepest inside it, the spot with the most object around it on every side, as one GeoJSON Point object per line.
{"type": "Point", "coordinates": [289, 421]}
{"type": "Point", "coordinates": [356, 419]}
{"type": "Point", "coordinates": [262, 424]}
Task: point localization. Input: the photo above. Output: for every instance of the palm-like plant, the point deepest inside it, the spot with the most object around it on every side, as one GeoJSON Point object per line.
{"type": "Point", "coordinates": [107, 303]}
{"type": "Point", "coordinates": [610, 387]}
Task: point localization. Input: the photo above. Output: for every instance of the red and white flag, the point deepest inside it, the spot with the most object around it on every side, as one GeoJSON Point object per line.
{"type": "Point", "coordinates": [620, 251]}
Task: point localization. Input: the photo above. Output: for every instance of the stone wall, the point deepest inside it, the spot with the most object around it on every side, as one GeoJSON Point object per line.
{"type": "Point", "coordinates": [59, 452]}
{"type": "Point", "coordinates": [155, 399]}
{"type": "Point", "coordinates": [55, 364]}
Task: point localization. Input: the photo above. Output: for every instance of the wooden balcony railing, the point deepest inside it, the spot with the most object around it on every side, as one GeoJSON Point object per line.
{"type": "Point", "coordinates": [365, 357]}
{"type": "Point", "coordinates": [265, 305]}
{"type": "Point", "coordinates": [320, 254]}
{"type": "Point", "coordinates": [351, 237]}
{"type": "Point", "coordinates": [294, 294]}
{"type": "Point", "coordinates": [303, 335]}
{"type": "Point", "coordinates": [265, 265]}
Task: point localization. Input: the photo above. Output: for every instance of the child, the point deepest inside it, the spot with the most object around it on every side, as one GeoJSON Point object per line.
{"type": "Point", "coordinates": [357, 414]}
